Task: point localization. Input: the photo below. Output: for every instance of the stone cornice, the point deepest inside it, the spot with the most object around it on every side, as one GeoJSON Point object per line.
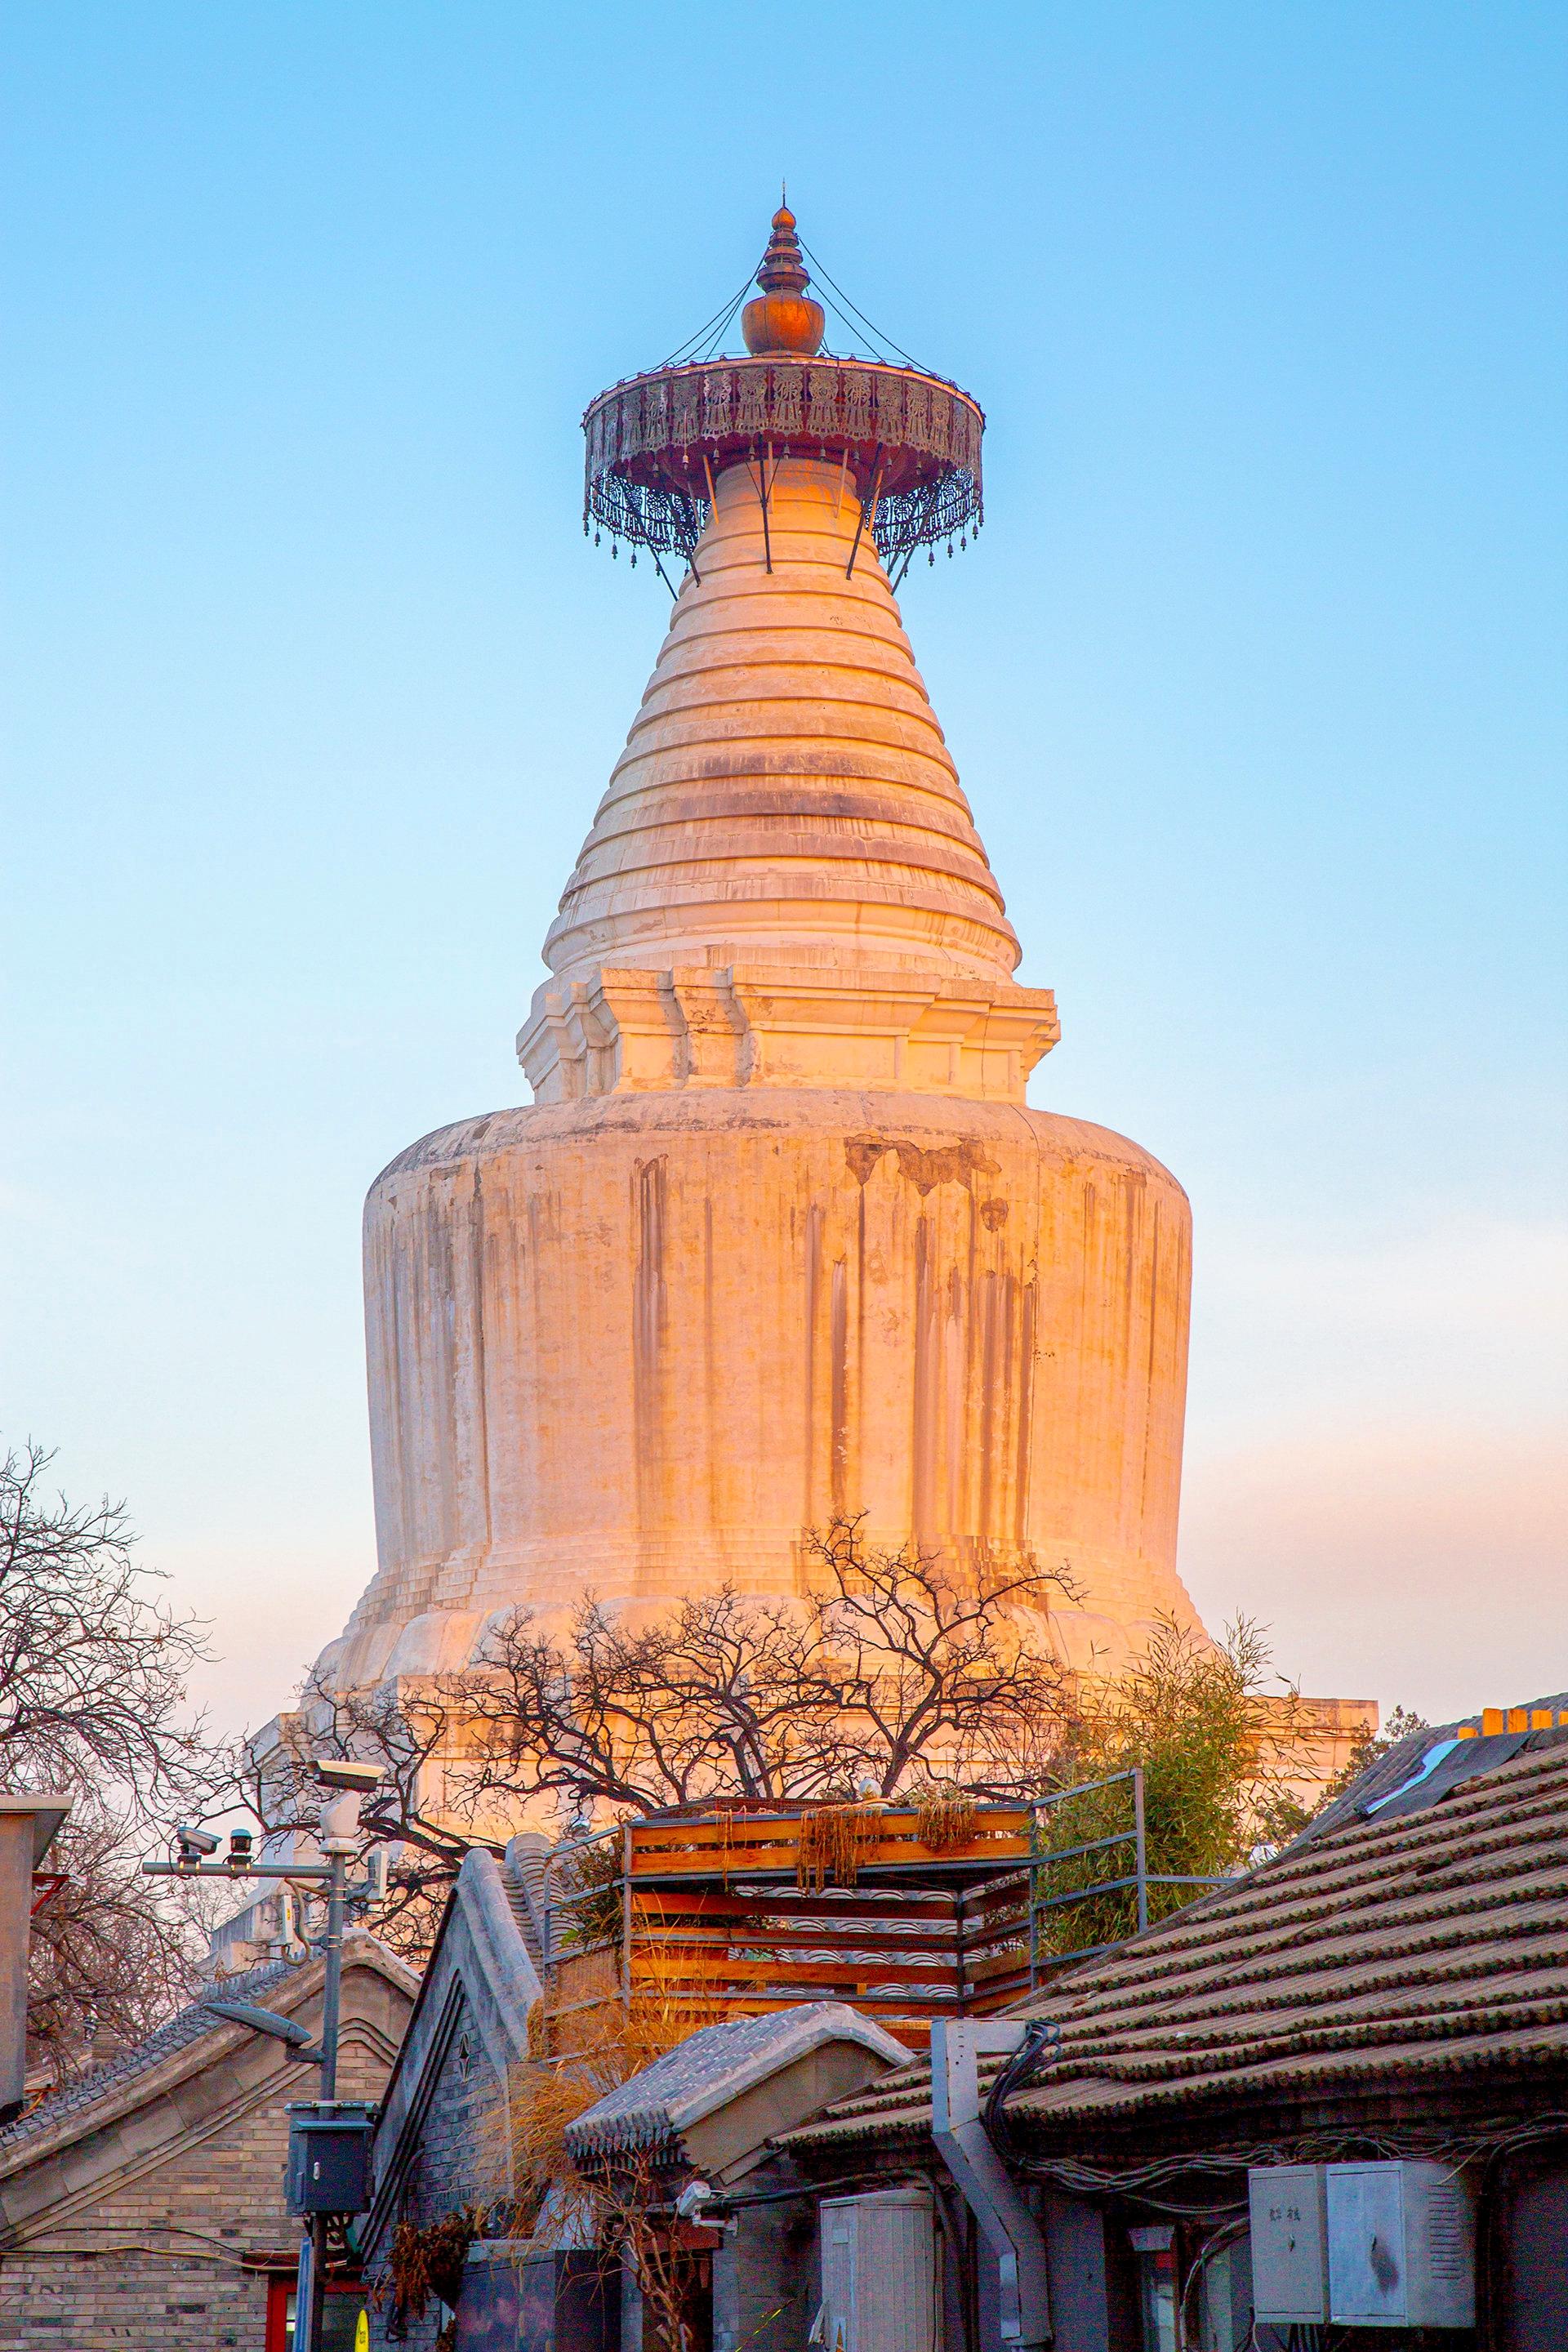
{"type": "Point", "coordinates": [623, 1031]}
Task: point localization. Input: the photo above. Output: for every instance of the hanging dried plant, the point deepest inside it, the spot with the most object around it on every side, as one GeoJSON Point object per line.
{"type": "Point", "coordinates": [946, 1816]}
{"type": "Point", "coordinates": [834, 1842]}
{"type": "Point", "coordinates": [427, 2259]}
{"type": "Point", "coordinates": [577, 2054]}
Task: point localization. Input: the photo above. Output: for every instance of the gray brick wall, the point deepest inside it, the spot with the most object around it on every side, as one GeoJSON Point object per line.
{"type": "Point", "coordinates": [168, 2256]}
{"type": "Point", "coordinates": [117, 2300]}
{"type": "Point", "coordinates": [462, 2152]}
{"type": "Point", "coordinates": [462, 2160]}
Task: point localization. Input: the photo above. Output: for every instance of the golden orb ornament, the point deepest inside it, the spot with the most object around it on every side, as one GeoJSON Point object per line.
{"type": "Point", "coordinates": [782, 318]}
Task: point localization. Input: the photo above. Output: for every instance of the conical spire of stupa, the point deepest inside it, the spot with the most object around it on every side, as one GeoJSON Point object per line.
{"type": "Point", "coordinates": [784, 885]}
{"type": "Point", "coordinates": [785, 789]}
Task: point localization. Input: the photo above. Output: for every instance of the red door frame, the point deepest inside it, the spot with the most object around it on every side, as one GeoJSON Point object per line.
{"type": "Point", "coordinates": [279, 2287]}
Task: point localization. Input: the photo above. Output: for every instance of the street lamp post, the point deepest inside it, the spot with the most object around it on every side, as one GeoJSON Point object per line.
{"type": "Point", "coordinates": [349, 1784]}
{"type": "Point", "coordinates": [310, 2292]}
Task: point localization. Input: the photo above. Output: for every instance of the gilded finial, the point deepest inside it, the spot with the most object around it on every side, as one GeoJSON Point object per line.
{"type": "Point", "coordinates": [783, 318]}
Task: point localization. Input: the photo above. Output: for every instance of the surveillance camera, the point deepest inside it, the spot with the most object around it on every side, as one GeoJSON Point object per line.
{"type": "Point", "coordinates": [337, 1772]}
{"type": "Point", "coordinates": [241, 1846]}
{"type": "Point", "coordinates": [195, 1842]}
{"type": "Point", "coordinates": [692, 2199]}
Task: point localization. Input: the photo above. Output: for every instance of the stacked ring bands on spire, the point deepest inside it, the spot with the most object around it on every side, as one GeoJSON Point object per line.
{"type": "Point", "coordinates": [786, 788]}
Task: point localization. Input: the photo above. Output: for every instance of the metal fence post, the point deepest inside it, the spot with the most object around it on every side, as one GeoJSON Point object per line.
{"type": "Point", "coordinates": [1141, 1843]}
{"type": "Point", "coordinates": [1036, 1835]}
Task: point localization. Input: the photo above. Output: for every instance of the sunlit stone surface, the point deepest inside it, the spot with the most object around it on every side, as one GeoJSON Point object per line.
{"type": "Point", "coordinates": [779, 1236]}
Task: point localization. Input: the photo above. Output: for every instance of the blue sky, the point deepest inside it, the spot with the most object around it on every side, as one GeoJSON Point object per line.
{"type": "Point", "coordinates": [1254, 680]}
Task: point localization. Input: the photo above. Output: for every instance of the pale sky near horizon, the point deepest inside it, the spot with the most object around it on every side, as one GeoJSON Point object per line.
{"type": "Point", "coordinates": [1254, 680]}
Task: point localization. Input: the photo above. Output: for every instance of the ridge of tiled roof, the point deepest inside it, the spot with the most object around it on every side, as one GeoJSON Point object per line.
{"type": "Point", "coordinates": [188, 2025]}
{"type": "Point", "coordinates": [1383, 1775]}
{"type": "Point", "coordinates": [522, 1874]}
{"type": "Point", "coordinates": [712, 2066]}
{"type": "Point", "coordinates": [1435, 1940]}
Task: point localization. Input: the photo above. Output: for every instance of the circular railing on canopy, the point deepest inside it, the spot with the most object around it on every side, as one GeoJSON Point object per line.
{"type": "Point", "coordinates": [908, 443]}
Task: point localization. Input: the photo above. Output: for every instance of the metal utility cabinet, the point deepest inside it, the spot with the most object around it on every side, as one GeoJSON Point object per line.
{"type": "Point", "coordinates": [1401, 2246]}
{"type": "Point", "coordinates": [1364, 2245]}
{"type": "Point", "coordinates": [1288, 2223]}
{"type": "Point", "coordinates": [329, 2156]}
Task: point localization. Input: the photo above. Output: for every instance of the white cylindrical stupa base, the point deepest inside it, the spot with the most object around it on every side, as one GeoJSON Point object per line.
{"type": "Point", "coordinates": [640, 1344]}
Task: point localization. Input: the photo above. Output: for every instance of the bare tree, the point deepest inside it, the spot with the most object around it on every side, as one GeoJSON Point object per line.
{"type": "Point", "coordinates": [109, 1958]}
{"type": "Point", "coordinates": [93, 1677]}
{"type": "Point", "coordinates": [93, 1669]}
{"type": "Point", "coordinates": [899, 1668]}
{"type": "Point", "coordinates": [938, 1669]}
{"type": "Point", "coordinates": [900, 1675]}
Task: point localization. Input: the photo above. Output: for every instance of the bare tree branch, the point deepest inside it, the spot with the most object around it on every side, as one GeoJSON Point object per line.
{"type": "Point", "coordinates": [896, 1673]}
{"type": "Point", "coordinates": [410, 1740]}
{"type": "Point", "coordinates": [93, 1671]}
{"type": "Point", "coordinates": [93, 1677]}
{"type": "Point", "coordinates": [898, 1669]}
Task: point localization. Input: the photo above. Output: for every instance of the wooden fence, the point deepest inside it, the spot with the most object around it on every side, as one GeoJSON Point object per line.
{"type": "Point", "coordinates": [738, 1913]}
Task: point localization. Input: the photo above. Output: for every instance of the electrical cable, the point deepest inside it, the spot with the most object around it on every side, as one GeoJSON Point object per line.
{"type": "Point", "coordinates": [856, 335]}
{"type": "Point", "coordinates": [845, 322]}
{"type": "Point", "coordinates": [1041, 2035]}
{"type": "Point", "coordinates": [717, 340]}
{"type": "Point", "coordinates": [805, 2189]}
{"type": "Point", "coordinates": [704, 343]}
{"type": "Point", "coordinates": [129, 2245]}
{"type": "Point", "coordinates": [720, 322]}
{"type": "Point", "coordinates": [1141, 2180]}
{"type": "Point", "coordinates": [867, 323]}
{"type": "Point", "coordinates": [1228, 2234]}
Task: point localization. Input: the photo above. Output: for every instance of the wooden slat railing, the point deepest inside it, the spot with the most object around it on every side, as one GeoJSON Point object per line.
{"type": "Point", "coordinates": [719, 1922]}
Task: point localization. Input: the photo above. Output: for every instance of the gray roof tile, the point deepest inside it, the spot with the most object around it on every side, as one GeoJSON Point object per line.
{"type": "Point", "coordinates": [188, 2025]}
{"type": "Point", "coordinates": [1429, 1941]}
{"type": "Point", "coordinates": [713, 2066]}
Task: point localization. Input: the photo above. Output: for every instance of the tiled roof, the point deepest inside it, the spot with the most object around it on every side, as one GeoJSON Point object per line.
{"type": "Point", "coordinates": [186, 2026]}
{"type": "Point", "coordinates": [713, 2066]}
{"type": "Point", "coordinates": [1420, 1943]}
{"type": "Point", "coordinates": [1382, 1778]}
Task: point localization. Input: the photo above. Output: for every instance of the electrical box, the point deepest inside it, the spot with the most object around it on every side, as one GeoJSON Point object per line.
{"type": "Point", "coordinates": [329, 2156]}
{"type": "Point", "coordinates": [879, 2281]}
{"type": "Point", "coordinates": [1289, 2244]}
{"type": "Point", "coordinates": [1402, 2246]}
